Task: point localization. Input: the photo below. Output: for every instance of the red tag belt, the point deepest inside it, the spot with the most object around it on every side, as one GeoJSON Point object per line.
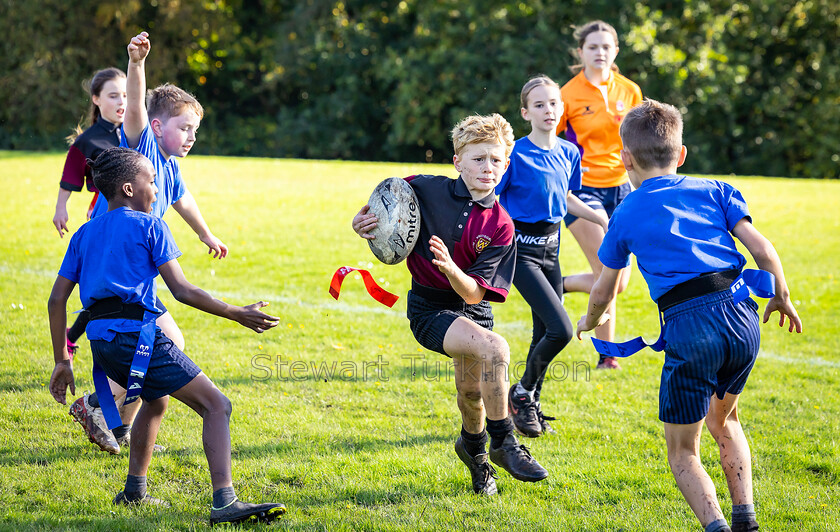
{"type": "Point", "coordinates": [376, 292]}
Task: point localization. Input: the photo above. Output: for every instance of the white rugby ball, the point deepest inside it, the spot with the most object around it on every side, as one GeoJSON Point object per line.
{"type": "Point", "coordinates": [395, 205]}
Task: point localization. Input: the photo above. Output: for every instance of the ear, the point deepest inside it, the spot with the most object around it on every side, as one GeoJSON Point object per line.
{"type": "Point", "coordinates": [127, 189]}
{"type": "Point", "coordinates": [157, 127]}
{"type": "Point", "coordinates": [95, 100]}
{"type": "Point", "coordinates": [457, 162]}
{"type": "Point", "coordinates": [627, 159]}
{"type": "Point", "coordinates": [524, 112]}
{"type": "Point", "coordinates": [683, 154]}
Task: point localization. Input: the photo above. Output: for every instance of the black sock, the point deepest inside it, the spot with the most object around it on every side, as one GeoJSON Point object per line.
{"type": "Point", "coordinates": [743, 517]}
{"type": "Point", "coordinates": [135, 487]}
{"type": "Point", "coordinates": [223, 497]}
{"type": "Point", "coordinates": [498, 431]}
{"type": "Point", "coordinates": [121, 431]}
{"type": "Point", "coordinates": [93, 400]}
{"type": "Point", "coordinates": [474, 444]}
{"type": "Point", "coordinates": [78, 328]}
{"type": "Point", "coordinates": [718, 526]}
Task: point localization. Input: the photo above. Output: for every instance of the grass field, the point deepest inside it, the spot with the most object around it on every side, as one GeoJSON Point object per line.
{"type": "Point", "coordinates": [371, 448]}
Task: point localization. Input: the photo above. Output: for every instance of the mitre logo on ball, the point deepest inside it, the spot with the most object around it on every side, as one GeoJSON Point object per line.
{"type": "Point", "coordinates": [395, 205]}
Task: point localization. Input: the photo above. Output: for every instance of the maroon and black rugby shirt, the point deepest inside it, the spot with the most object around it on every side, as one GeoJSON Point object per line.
{"type": "Point", "coordinates": [478, 234]}
{"type": "Point", "coordinates": [88, 145]}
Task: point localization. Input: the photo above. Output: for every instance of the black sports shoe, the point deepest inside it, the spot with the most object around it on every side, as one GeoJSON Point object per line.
{"type": "Point", "coordinates": [483, 474]}
{"type": "Point", "coordinates": [749, 526]}
{"type": "Point", "coordinates": [523, 411]}
{"type": "Point", "coordinates": [146, 500]}
{"type": "Point", "coordinates": [516, 460]}
{"type": "Point", "coordinates": [238, 512]}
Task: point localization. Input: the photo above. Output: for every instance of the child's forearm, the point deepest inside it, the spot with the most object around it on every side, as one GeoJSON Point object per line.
{"type": "Point", "coordinates": [768, 260]}
{"type": "Point", "coordinates": [189, 211]}
{"type": "Point", "coordinates": [135, 109]}
{"type": "Point", "coordinates": [466, 287]}
{"type": "Point", "coordinates": [57, 308]}
{"type": "Point", "coordinates": [580, 209]}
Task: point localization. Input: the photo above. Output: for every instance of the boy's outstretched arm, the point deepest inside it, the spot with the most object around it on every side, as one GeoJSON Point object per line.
{"type": "Point", "coordinates": [136, 117]}
{"type": "Point", "coordinates": [767, 259]}
{"type": "Point", "coordinates": [364, 222]}
{"type": "Point", "coordinates": [62, 375]}
{"type": "Point", "coordinates": [249, 316]}
{"type": "Point", "coordinates": [603, 292]}
{"type": "Point", "coordinates": [189, 211]}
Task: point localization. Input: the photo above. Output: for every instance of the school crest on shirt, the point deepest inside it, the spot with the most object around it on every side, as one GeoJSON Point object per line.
{"type": "Point", "coordinates": [481, 242]}
{"type": "Point", "coordinates": [619, 106]}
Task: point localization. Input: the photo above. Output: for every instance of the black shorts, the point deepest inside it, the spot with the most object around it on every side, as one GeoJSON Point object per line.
{"type": "Point", "coordinates": [169, 368]}
{"type": "Point", "coordinates": [430, 317]}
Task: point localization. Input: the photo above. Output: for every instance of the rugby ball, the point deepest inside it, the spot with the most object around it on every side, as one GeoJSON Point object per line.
{"type": "Point", "coordinates": [395, 205]}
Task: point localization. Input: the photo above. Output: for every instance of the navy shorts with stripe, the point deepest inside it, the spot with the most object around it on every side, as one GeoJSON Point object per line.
{"type": "Point", "coordinates": [712, 344]}
{"type": "Point", "coordinates": [605, 199]}
{"type": "Point", "coordinates": [169, 368]}
{"type": "Point", "coordinates": [429, 320]}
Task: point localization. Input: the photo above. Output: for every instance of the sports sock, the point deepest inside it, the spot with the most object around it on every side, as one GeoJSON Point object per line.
{"type": "Point", "coordinates": [474, 444]}
{"type": "Point", "coordinates": [121, 431]}
{"type": "Point", "coordinates": [498, 431]}
{"type": "Point", "coordinates": [223, 497]}
{"type": "Point", "coordinates": [93, 400]}
{"type": "Point", "coordinates": [743, 517]}
{"type": "Point", "coordinates": [521, 390]}
{"type": "Point", "coordinates": [135, 487]}
{"type": "Point", "coordinates": [718, 526]}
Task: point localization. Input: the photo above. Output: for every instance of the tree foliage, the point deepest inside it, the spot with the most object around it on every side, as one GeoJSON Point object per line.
{"type": "Point", "coordinates": [756, 80]}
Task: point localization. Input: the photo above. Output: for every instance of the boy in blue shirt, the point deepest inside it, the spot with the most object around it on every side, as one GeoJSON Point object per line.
{"type": "Point", "coordinates": [115, 258]}
{"type": "Point", "coordinates": [163, 132]}
{"type": "Point", "coordinates": [679, 229]}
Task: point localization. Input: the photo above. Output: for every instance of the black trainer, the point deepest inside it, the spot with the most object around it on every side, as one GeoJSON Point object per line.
{"type": "Point", "coordinates": [483, 474]}
{"type": "Point", "coordinates": [238, 512]}
{"type": "Point", "coordinates": [523, 411]}
{"type": "Point", "coordinates": [544, 419]}
{"type": "Point", "coordinates": [147, 500]}
{"type": "Point", "coordinates": [516, 460]}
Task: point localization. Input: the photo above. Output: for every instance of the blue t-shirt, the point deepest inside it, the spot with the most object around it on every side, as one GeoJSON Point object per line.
{"type": "Point", "coordinates": [536, 182]}
{"type": "Point", "coordinates": [118, 254]}
{"type": "Point", "coordinates": [168, 179]}
{"type": "Point", "coordinates": [678, 227]}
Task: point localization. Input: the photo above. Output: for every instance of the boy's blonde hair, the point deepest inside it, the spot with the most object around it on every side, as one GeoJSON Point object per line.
{"type": "Point", "coordinates": [167, 100]}
{"type": "Point", "coordinates": [476, 129]}
{"type": "Point", "coordinates": [652, 132]}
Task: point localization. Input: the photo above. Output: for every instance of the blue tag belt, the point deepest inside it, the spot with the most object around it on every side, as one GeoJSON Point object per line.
{"type": "Point", "coordinates": [759, 282]}
{"type": "Point", "coordinates": [139, 364]}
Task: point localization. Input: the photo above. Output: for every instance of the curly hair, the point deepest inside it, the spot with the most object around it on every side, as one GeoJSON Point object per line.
{"type": "Point", "coordinates": [114, 167]}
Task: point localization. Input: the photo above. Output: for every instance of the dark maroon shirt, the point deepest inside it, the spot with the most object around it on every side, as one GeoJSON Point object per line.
{"type": "Point", "coordinates": [88, 145]}
{"type": "Point", "coordinates": [478, 235]}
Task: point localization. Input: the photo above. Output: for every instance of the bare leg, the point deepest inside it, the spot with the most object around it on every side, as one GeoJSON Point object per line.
{"type": "Point", "coordinates": [694, 482]}
{"type": "Point", "coordinates": [589, 236]}
{"type": "Point", "coordinates": [467, 376]}
{"type": "Point", "coordinates": [143, 435]}
{"type": "Point", "coordinates": [723, 423]}
{"type": "Point", "coordinates": [489, 354]}
{"type": "Point", "coordinates": [579, 282]}
{"type": "Point", "coordinates": [167, 324]}
{"type": "Point", "coordinates": [201, 395]}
